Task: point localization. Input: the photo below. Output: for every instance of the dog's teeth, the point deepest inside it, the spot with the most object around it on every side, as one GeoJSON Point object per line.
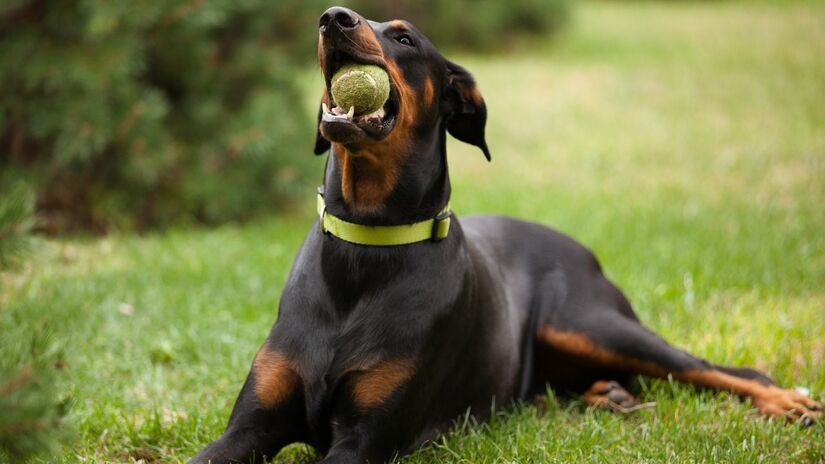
{"type": "Point", "coordinates": [379, 113]}
{"type": "Point", "coordinates": [337, 111]}
{"type": "Point", "coordinates": [351, 112]}
{"type": "Point", "coordinates": [325, 107]}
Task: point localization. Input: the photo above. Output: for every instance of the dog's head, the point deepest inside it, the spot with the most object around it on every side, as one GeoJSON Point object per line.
{"type": "Point", "coordinates": [428, 93]}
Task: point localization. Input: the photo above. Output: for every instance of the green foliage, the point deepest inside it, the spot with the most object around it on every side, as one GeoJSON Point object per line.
{"type": "Point", "coordinates": [33, 406]}
{"type": "Point", "coordinates": [472, 24]}
{"type": "Point", "coordinates": [31, 422]}
{"type": "Point", "coordinates": [16, 222]}
{"type": "Point", "coordinates": [138, 115]}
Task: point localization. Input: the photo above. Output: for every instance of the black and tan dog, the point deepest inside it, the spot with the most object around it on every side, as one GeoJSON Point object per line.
{"type": "Point", "coordinates": [397, 318]}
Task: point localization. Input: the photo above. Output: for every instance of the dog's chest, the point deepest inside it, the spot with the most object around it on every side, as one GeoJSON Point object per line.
{"type": "Point", "coordinates": [361, 345]}
{"type": "Point", "coordinates": [356, 356]}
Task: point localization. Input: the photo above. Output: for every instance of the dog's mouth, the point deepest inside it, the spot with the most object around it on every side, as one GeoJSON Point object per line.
{"type": "Point", "coordinates": [342, 125]}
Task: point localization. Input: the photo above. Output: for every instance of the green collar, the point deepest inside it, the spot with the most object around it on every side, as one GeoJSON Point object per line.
{"type": "Point", "coordinates": [434, 229]}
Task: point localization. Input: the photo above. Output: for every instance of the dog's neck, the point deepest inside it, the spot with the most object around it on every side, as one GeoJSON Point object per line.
{"type": "Point", "coordinates": [387, 189]}
{"type": "Point", "coordinates": [420, 192]}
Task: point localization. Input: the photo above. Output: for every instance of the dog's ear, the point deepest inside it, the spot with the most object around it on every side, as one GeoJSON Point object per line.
{"type": "Point", "coordinates": [468, 113]}
{"type": "Point", "coordinates": [321, 144]}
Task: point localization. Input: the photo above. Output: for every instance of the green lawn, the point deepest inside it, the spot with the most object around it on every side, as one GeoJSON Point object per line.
{"type": "Point", "coordinates": [684, 143]}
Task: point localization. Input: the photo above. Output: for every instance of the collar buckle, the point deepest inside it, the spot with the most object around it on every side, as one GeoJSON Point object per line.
{"type": "Point", "coordinates": [322, 211]}
{"type": "Point", "coordinates": [441, 225]}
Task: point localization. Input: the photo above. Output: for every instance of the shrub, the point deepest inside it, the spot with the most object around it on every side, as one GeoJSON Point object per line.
{"type": "Point", "coordinates": [136, 116]}
{"type": "Point", "coordinates": [16, 223]}
{"type": "Point", "coordinates": [140, 114]}
{"type": "Point", "coordinates": [33, 419]}
{"type": "Point", "coordinates": [470, 24]}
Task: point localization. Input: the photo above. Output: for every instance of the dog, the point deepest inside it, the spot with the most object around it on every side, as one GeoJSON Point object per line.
{"type": "Point", "coordinates": [397, 318]}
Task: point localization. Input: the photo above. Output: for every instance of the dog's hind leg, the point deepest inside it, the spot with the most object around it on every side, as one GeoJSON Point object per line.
{"type": "Point", "coordinates": [268, 415]}
{"type": "Point", "coordinates": [616, 342]}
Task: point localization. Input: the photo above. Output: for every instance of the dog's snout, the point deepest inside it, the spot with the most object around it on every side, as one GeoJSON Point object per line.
{"type": "Point", "coordinates": [342, 18]}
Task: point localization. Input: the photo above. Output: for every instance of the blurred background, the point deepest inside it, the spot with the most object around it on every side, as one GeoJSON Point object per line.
{"type": "Point", "coordinates": [136, 117]}
{"type": "Point", "coordinates": [156, 178]}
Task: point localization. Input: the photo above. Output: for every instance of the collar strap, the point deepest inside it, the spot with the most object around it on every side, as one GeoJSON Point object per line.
{"type": "Point", "coordinates": [434, 229]}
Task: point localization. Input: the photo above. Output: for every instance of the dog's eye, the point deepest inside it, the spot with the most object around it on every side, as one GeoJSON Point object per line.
{"type": "Point", "coordinates": [404, 39]}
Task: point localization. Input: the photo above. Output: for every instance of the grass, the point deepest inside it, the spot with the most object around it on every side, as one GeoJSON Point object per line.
{"type": "Point", "coordinates": [683, 142]}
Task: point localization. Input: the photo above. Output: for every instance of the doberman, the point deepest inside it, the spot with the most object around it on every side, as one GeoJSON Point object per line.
{"type": "Point", "coordinates": [378, 347]}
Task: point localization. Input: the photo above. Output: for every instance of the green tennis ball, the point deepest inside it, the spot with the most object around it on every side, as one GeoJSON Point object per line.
{"type": "Point", "coordinates": [364, 86]}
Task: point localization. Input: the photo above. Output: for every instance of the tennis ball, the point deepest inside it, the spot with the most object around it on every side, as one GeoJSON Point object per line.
{"type": "Point", "coordinates": [366, 87]}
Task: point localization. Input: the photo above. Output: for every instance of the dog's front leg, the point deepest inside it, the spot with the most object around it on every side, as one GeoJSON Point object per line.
{"type": "Point", "coordinates": [379, 416]}
{"type": "Point", "coordinates": [345, 452]}
{"type": "Point", "coordinates": [268, 414]}
{"type": "Point", "coordinates": [364, 443]}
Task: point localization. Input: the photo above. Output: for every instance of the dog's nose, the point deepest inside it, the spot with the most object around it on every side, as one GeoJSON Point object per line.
{"type": "Point", "coordinates": [343, 18]}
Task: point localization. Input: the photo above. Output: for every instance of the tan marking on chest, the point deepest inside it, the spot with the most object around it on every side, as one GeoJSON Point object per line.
{"type": "Point", "coordinates": [372, 387]}
{"type": "Point", "coordinates": [275, 378]}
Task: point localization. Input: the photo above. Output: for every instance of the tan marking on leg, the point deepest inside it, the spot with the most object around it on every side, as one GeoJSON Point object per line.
{"type": "Point", "coordinates": [769, 399]}
{"type": "Point", "coordinates": [372, 387]}
{"type": "Point", "coordinates": [275, 378]}
{"type": "Point", "coordinates": [578, 345]}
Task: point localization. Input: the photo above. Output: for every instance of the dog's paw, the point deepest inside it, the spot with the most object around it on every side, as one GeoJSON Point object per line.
{"type": "Point", "coordinates": [610, 395]}
{"type": "Point", "coordinates": [790, 404]}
